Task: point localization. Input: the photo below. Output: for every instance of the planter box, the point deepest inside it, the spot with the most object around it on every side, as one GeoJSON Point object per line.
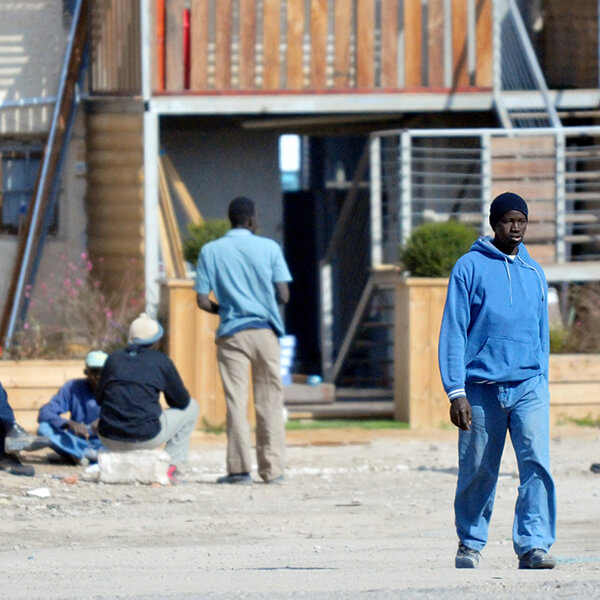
{"type": "Point", "coordinates": [419, 397]}
{"type": "Point", "coordinates": [31, 383]}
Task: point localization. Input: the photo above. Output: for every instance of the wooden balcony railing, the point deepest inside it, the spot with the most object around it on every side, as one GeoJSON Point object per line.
{"type": "Point", "coordinates": [301, 46]}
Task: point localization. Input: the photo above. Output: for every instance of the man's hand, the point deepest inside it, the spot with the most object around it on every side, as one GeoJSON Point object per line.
{"type": "Point", "coordinates": [78, 429]}
{"type": "Point", "coordinates": [94, 427]}
{"type": "Point", "coordinates": [460, 413]}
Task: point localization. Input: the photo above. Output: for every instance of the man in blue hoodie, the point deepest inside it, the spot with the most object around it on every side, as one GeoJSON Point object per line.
{"type": "Point", "coordinates": [493, 358]}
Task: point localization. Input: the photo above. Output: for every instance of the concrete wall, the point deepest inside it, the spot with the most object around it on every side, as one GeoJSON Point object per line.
{"type": "Point", "coordinates": [217, 163]}
{"type": "Point", "coordinates": [33, 35]}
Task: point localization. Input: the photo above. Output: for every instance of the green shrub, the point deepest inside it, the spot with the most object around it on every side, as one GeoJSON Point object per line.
{"type": "Point", "coordinates": [433, 248]}
{"type": "Point", "coordinates": [201, 234]}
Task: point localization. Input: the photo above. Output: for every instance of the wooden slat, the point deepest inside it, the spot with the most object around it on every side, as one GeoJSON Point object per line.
{"type": "Point", "coordinates": [271, 54]}
{"type": "Point", "coordinates": [365, 47]}
{"type": "Point", "coordinates": [106, 158]}
{"type": "Point", "coordinates": [342, 28]}
{"type": "Point", "coordinates": [484, 43]}
{"type": "Point", "coordinates": [165, 247]}
{"type": "Point", "coordinates": [107, 140]}
{"type": "Point", "coordinates": [569, 394]}
{"type": "Point", "coordinates": [513, 169]}
{"type": "Point", "coordinates": [174, 45]}
{"type": "Point", "coordinates": [389, 43]}
{"type": "Point", "coordinates": [413, 56]}
{"type": "Point", "coordinates": [199, 45]}
{"type": "Point", "coordinates": [184, 197]}
{"type": "Point", "coordinates": [318, 44]}
{"type": "Point", "coordinates": [132, 227]}
{"type": "Point", "coordinates": [529, 146]}
{"type": "Point", "coordinates": [116, 175]}
{"type": "Point", "coordinates": [116, 246]}
{"type": "Point", "coordinates": [460, 62]}
{"type": "Point", "coordinates": [158, 45]}
{"type": "Point", "coordinates": [435, 43]}
{"type": "Point", "coordinates": [223, 37]}
{"type": "Point", "coordinates": [247, 44]}
{"type": "Point", "coordinates": [295, 39]}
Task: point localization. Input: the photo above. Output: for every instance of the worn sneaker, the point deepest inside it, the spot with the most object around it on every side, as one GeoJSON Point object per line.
{"type": "Point", "coordinates": [17, 439]}
{"type": "Point", "coordinates": [12, 464]}
{"type": "Point", "coordinates": [466, 558]}
{"type": "Point", "coordinates": [537, 559]}
{"type": "Point", "coordinates": [236, 478]}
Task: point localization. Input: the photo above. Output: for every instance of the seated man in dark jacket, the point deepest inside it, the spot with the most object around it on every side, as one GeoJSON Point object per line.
{"type": "Point", "coordinates": [131, 417]}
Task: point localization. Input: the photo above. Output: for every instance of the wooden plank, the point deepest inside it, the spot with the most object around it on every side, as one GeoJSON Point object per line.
{"type": "Point", "coordinates": [165, 247]}
{"type": "Point", "coordinates": [295, 41]}
{"type": "Point", "coordinates": [318, 44]}
{"type": "Point", "coordinates": [174, 45]}
{"type": "Point", "coordinates": [247, 44]}
{"type": "Point", "coordinates": [389, 43]}
{"type": "Point", "coordinates": [132, 195]}
{"type": "Point", "coordinates": [271, 40]}
{"type": "Point", "coordinates": [513, 169]}
{"type": "Point", "coordinates": [115, 122]}
{"type": "Point", "coordinates": [535, 145]}
{"type": "Point", "coordinates": [484, 43]}
{"type": "Point", "coordinates": [435, 43]}
{"type": "Point", "coordinates": [342, 30]}
{"type": "Point", "coordinates": [105, 158]}
{"type": "Point", "coordinates": [106, 141]}
{"type": "Point", "coordinates": [116, 175]}
{"type": "Point", "coordinates": [365, 44]}
{"type": "Point", "coordinates": [223, 38]}
{"type": "Point", "coordinates": [574, 368]}
{"type": "Point", "coordinates": [413, 39]}
{"type": "Point", "coordinates": [543, 253]}
{"type": "Point", "coordinates": [111, 228]}
{"type": "Point", "coordinates": [106, 247]}
{"type": "Point", "coordinates": [199, 45]}
{"type": "Point", "coordinates": [158, 45]}
{"type": "Point", "coordinates": [184, 197]}
{"type": "Point", "coordinates": [460, 29]}
{"type": "Point", "coordinates": [532, 191]}
{"type": "Point", "coordinates": [575, 393]}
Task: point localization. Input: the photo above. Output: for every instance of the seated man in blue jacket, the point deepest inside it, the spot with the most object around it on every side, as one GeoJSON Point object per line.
{"type": "Point", "coordinates": [74, 436]}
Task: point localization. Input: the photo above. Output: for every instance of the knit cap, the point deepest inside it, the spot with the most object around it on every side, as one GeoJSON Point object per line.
{"type": "Point", "coordinates": [144, 331]}
{"type": "Point", "coordinates": [505, 202]}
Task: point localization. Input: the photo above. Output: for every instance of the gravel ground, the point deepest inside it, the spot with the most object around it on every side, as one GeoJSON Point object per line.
{"type": "Point", "coordinates": [361, 515]}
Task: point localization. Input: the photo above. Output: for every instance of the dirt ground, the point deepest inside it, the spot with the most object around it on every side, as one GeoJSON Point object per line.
{"type": "Point", "coordinates": [363, 514]}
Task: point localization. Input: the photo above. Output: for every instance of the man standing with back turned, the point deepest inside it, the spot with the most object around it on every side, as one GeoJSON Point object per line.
{"type": "Point", "coordinates": [493, 356]}
{"type": "Point", "coordinates": [249, 276]}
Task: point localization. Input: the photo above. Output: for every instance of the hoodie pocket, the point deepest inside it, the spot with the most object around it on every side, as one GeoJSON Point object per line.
{"type": "Point", "coordinates": [502, 357]}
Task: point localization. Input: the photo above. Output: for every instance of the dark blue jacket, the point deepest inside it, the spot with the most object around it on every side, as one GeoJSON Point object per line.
{"type": "Point", "coordinates": [74, 397]}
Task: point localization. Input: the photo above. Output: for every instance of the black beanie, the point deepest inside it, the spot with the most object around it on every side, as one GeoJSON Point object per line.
{"type": "Point", "coordinates": [505, 202]}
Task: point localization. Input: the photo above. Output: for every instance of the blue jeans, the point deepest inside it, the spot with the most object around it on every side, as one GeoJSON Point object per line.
{"type": "Point", "coordinates": [523, 410]}
{"type": "Point", "coordinates": [66, 443]}
{"type": "Point", "coordinates": [7, 417]}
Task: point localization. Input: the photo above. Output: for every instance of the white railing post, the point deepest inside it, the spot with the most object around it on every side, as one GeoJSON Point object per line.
{"type": "Point", "coordinates": [486, 180]}
{"type": "Point", "coordinates": [405, 217]}
{"type": "Point", "coordinates": [326, 321]}
{"type": "Point", "coordinates": [375, 200]}
{"type": "Point", "coordinates": [561, 199]}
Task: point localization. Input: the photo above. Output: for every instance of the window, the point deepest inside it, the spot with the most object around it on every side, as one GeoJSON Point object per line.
{"type": "Point", "coordinates": [19, 173]}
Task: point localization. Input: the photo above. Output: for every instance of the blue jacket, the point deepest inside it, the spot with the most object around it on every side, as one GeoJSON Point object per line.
{"type": "Point", "coordinates": [74, 397]}
{"type": "Point", "coordinates": [495, 323]}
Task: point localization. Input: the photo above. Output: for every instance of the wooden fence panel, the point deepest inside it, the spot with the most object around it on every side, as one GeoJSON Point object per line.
{"type": "Point", "coordinates": [223, 38]}
{"type": "Point", "coordinates": [271, 40]}
{"type": "Point", "coordinates": [365, 43]}
{"type": "Point", "coordinates": [247, 44]}
{"type": "Point", "coordinates": [484, 45]}
{"type": "Point", "coordinates": [295, 44]}
{"type": "Point", "coordinates": [342, 33]}
{"type": "Point", "coordinates": [413, 40]}
{"type": "Point", "coordinates": [174, 49]}
{"type": "Point", "coordinates": [199, 45]}
{"type": "Point", "coordinates": [318, 44]}
{"type": "Point", "coordinates": [389, 43]}
{"type": "Point", "coordinates": [460, 61]}
{"type": "Point", "coordinates": [435, 43]}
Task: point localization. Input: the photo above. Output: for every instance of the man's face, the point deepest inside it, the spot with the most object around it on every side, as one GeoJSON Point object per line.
{"type": "Point", "coordinates": [510, 231]}
{"type": "Point", "coordinates": [93, 377]}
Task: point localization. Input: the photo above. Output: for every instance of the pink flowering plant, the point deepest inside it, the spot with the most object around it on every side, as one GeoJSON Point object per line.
{"type": "Point", "coordinates": [69, 313]}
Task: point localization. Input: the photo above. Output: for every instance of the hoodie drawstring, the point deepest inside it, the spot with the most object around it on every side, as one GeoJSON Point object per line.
{"type": "Point", "coordinates": [509, 281]}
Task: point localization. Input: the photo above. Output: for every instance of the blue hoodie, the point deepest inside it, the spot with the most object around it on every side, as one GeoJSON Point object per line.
{"type": "Point", "coordinates": [495, 323]}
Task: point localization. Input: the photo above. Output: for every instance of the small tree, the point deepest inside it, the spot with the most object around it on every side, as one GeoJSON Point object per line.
{"type": "Point", "coordinates": [433, 248]}
{"type": "Point", "coordinates": [201, 234]}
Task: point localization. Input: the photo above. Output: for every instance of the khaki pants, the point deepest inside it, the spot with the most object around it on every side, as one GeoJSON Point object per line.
{"type": "Point", "coordinates": [258, 348]}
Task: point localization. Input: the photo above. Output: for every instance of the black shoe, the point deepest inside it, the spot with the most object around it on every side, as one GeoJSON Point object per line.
{"type": "Point", "coordinates": [17, 439]}
{"type": "Point", "coordinates": [466, 558]}
{"type": "Point", "coordinates": [537, 559]}
{"type": "Point", "coordinates": [11, 463]}
{"type": "Point", "coordinates": [236, 478]}
{"type": "Point", "coordinates": [595, 468]}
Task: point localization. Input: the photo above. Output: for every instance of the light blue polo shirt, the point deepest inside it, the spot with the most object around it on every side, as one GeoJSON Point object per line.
{"type": "Point", "coordinates": [241, 269]}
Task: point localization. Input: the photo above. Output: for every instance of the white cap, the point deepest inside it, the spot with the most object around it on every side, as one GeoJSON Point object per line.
{"type": "Point", "coordinates": [95, 359]}
{"type": "Point", "coordinates": [144, 331]}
